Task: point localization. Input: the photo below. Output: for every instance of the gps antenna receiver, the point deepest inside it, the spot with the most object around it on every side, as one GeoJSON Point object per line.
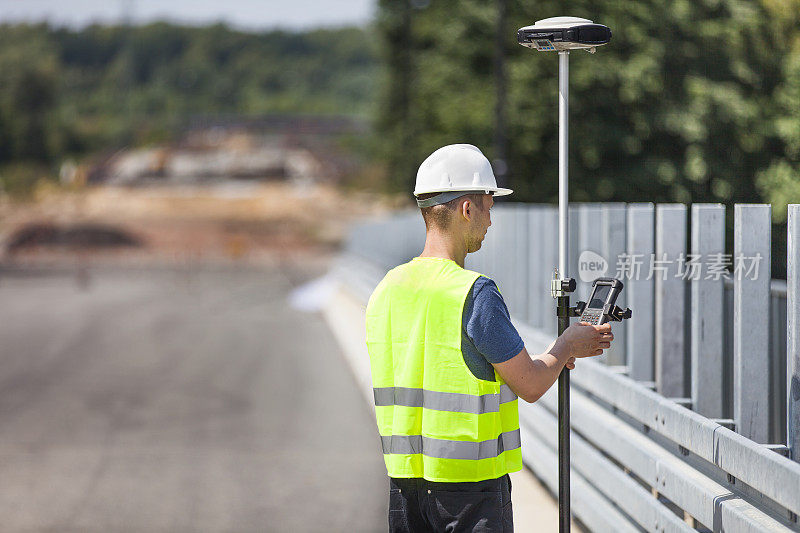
{"type": "Point", "coordinates": [564, 33]}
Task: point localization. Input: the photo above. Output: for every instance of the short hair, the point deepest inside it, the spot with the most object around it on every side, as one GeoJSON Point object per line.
{"type": "Point", "coordinates": [440, 215]}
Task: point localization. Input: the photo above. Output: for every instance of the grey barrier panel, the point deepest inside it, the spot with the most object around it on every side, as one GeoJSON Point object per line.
{"type": "Point", "coordinates": [613, 233]}
{"type": "Point", "coordinates": [640, 294]}
{"type": "Point", "coordinates": [505, 255]}
{"type": "Point", "coordinates": [500, 235]}
{"type": "Point", "coordinates": [764, 470]}
{"type": "Point", "coordinates": [509, 258]}
{"type": "Point", "coordinates": [521, 263]}
{"type": "Point", "coordinates": [550, 258]}
{"type": "Point", "coordinates": [712, 504]}
{"type": "Point", "coordinates": [537, 268]}
{"type": "Point", "coordinates": [759, 467]}
{"type": "Point", "coordinates": [521, 275]}
{"type": "Point", "coordinates": [751, 240]}
{"type": "Point", "coordinates": [573, 245]}
{"type": "Point", "coordinates": [590, 237]}
{"type": "Point", "coordinates": [631, 497]}
{"type": "Point", "coordinates": [777, 358]}
{"type": "Point", "coordinates": [670, 300]}
{"type": "Point", "coordinates": [793, 332]}
{"type": "Point", "coordinates": [777, 361]}
{"type": "Point", "coordinates": [707, 333]}
{"type": "Point", "coordinates": [588, 504]}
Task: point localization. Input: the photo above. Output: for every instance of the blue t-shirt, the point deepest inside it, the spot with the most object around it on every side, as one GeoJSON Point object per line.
{"type": "Point", "coordinates": [487, 334]}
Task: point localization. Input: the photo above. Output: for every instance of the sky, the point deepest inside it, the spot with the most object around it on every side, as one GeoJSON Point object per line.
{"type": "Point", "coordinates": [245, 14]}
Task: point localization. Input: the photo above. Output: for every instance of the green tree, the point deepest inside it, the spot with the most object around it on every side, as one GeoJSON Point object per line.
{"type": "Point", "coordinates": [780, 182]}
{"type": "Point", "coordinates": [680, 106]}
{"type": "Point", "coordinates": [28, 73]}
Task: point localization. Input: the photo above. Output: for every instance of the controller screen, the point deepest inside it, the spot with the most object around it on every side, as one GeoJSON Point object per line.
{"type": "Point", "coordinates": [599, 297]}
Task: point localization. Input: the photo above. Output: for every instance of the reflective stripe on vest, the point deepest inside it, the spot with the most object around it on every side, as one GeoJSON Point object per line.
{"type": "Point", "coordinates": [436, 419]}
{"type": "Point", "coordinates": [451, 449]}
{"type": "Point", "coordinates": [443, 401]}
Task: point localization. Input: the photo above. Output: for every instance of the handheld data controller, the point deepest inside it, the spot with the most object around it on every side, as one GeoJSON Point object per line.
{"type": "Point", "coordinates": [602, 306]}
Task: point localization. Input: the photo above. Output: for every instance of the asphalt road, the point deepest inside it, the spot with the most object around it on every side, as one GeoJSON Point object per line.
{"type": "Point", "coordinates": [179, 400]}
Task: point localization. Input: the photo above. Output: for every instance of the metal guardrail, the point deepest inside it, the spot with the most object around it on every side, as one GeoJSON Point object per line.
{"type": "Point", "coordinates": [678, 427]}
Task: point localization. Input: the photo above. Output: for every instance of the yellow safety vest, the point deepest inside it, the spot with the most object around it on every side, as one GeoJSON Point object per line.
{"type": "Point", "coordinates": [436, 419]}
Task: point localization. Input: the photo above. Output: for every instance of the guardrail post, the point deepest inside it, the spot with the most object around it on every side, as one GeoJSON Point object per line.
{"type": "Point", "coordinates": [505, 254]}
{"type": "Point", "coordinates": [508, 255]}
{"type": "Point", "coordinates": [520, 258]}
{"type": "Point", "coordinates": [538, 267]}
{"type": "Point", "coordinates": [670, 299]}
{"type": "Point", "coordinates": [640, 249]}
{"type": "Point", "coordinates": [613, 230]}
{"type": "Point", "coordinates": [751, 293]}
{"type": "Point", "coordinates": [508, 258]}
{"type": "Point", "coordinates": [708, 240]}
{"type": "Point", "coordinates": [503, 234]}
{"type": "Point", "coordinates": [549, 231]}
{"type": "Point", "coordinates": [793, 333]}
{"type": "Point", "coordinates": [590, 237]}
{"type": "Point", "coordinates": [573, 245]}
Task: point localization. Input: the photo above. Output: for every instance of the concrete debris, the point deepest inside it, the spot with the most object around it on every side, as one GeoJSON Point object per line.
{"type": "Point", "coordinates": [70, 236]}
{"type": "Point", "coordinates": [219, 157]}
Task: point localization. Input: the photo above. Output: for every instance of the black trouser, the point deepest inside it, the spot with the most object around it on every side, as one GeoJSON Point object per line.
{"type": "Point", "coordinates": [418, 506]}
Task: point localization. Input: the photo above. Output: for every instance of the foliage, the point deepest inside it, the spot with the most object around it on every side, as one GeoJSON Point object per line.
{"type": "Point", "coordinates": [690, 101]}
{"type": "Point", "coordinates": [65, 92]}
{"type": "Point", "coordinates": [780, 182]}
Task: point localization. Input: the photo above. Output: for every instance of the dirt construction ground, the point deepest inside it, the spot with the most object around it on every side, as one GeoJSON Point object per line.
{"type": "Point", "coordinates": [229, 222]}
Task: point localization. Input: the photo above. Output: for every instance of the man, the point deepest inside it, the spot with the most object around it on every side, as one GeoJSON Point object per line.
{"type": "Point", "coordinates": [448, 365]}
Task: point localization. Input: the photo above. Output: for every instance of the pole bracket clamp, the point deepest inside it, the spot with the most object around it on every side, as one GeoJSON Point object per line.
{"type": "Point", "coordinates": [561, 286]}
{"type": "Point", "coordinates": [571, 312]}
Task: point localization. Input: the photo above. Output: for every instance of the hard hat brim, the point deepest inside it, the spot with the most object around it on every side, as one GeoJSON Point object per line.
{"type": "Point", "coordinates": [494, 191]}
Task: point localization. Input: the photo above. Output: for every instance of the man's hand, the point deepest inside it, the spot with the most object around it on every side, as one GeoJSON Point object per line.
{"type": "Point", "coordinates": [586, 340]}
{"type": "Point", "coordinates": [530, 377]}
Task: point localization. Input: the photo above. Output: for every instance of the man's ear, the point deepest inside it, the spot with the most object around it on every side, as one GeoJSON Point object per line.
{"type": "Point", "coordinates": [467, 209]}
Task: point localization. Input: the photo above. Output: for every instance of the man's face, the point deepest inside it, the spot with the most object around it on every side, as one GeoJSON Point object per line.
{"type": "Point", "coordinates": [480, 222]}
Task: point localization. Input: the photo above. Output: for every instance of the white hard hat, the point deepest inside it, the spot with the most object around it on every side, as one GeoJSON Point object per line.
{"type": "Point", "coordinates": [455, 170]}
